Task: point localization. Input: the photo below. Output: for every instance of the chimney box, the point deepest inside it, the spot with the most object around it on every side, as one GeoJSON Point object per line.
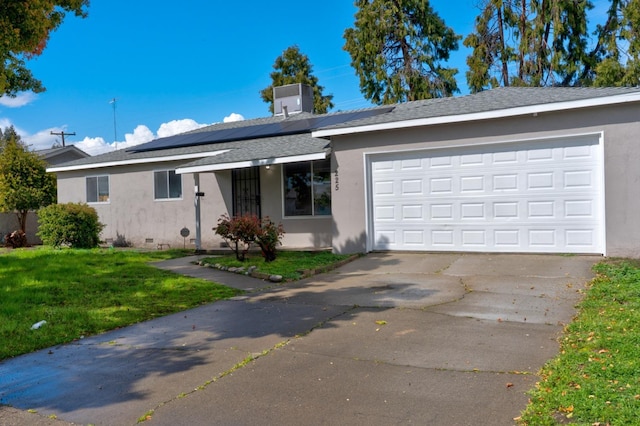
{"type": "Point", "coordinates": [292, 99]}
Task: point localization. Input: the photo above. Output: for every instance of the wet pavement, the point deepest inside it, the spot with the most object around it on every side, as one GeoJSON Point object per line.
{"type": "Point", "coordinates": [389, 338]}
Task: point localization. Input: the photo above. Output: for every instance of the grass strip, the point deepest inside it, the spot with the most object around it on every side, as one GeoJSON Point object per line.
{"type": "Point", "coordinates": [594, 380]}
{"type": "Point", "coordinates": [85, 292]}
{"type": "Point", "coordinates": [291, 265]}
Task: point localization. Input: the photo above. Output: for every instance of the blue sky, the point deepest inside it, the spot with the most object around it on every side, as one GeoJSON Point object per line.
{"type": "Point", "coordinates": [173, 66]}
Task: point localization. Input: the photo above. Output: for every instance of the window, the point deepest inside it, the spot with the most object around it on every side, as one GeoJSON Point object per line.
{"type": "Point", "coordinates": [167, 185]}
{"type": "Point", "coordinates": [307, 188]}
{"type": "Point", "coordinates": [98, 189]}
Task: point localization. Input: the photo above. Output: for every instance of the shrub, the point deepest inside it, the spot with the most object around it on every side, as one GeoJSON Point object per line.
{"type": "Point", "coordinates": [268, 239]}
{"type": "Point", "coordinates": [72, 224]}
{"type": "Point", "coordinates": [241, 231]}
{"type": "Point", "coordinates": [16, 239]}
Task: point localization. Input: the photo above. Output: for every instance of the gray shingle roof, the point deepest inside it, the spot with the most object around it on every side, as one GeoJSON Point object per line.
{"type": "Point", "coordinates": [502, 98]}
{"type": "Point", "coordinates": [303, 144]}
{"type": "Point", "coordinates": [265, 149]}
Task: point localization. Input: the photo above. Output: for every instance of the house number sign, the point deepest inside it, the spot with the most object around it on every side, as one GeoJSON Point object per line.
{"type": "Point", "coordinates": [337, 180]}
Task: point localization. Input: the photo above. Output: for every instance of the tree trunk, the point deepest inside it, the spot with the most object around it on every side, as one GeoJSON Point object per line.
{"type": "Point", "coordinates": [503, 59]}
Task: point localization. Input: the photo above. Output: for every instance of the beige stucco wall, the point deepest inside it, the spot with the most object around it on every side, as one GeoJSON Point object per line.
{"type": "Point", "coordinates": [620, 126]}
{"type": "Point", "coordinates": [134, 213]}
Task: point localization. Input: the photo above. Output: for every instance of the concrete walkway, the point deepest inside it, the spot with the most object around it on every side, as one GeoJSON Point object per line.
{"type": "Point", "coordinates": [442, 339]}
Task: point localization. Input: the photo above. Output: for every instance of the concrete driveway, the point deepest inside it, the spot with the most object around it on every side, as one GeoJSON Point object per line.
{"type": "Point", "coordinates": [451, 339]}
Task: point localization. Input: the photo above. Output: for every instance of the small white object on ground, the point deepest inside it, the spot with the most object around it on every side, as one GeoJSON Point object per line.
{"type": "Point", "coordinates": [38, 325]}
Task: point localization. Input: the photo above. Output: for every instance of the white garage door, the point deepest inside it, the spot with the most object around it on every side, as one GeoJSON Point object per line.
{"type": "Point", "coordinates": [536, 196]}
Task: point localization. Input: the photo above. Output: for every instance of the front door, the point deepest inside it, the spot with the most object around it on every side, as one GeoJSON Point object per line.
{"type": "Point", "coordinates": [246, 191]}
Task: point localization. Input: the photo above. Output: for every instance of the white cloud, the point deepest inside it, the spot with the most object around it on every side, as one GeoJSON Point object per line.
{"type": "Point", "coordinates": [4, 123]}
{"type": "Point", "coordinates": [21, 100]}
{"type": "Point", "coordinates": [233, 117]}
{"type": "Point", "coordinates": [43, 139]}
{"type": "Point", "coordinates": [141, 134]}
{"type": "Point", "coordinates": [175, 127]}
{"type": "Point", "coordinates": [97, 145]}
{"type": "Point", "coordinates": [94, 146]}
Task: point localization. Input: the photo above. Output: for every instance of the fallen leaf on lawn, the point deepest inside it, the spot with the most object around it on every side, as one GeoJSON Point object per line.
{"type": "Point", "coordinates": [381, 322]}
{"type": "Point", "coordinates": [509, 385]}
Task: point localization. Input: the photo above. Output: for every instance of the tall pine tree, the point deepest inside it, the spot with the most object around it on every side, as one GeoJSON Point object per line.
{"type": "Point", "coordinates": [398, 48]}
{"type": "Point", "coordinates": [292, 67]}
{"type": "Point", "coordinates": [617, 59]}
{"type": "Point", "coordinates": [530, 43]}
{"type": "Point", "coordinates": [547, 42]}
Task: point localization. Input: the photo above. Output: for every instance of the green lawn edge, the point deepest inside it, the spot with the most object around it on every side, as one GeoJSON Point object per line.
{"type": "Point", "coordinates": [595, 379]}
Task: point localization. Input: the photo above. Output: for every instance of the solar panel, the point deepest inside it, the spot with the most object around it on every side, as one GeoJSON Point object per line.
{"type": "Point", "coordinates": [257, 131]}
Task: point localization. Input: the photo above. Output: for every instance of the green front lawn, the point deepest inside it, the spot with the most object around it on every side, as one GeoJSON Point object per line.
{"type": "Point", "coordinates": [595, 380]}
{"type": "Point", "coordinates": [84, 292]}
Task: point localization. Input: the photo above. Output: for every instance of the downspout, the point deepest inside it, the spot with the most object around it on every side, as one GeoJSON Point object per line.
{"type": "Point", "coordinates": [198, 194]}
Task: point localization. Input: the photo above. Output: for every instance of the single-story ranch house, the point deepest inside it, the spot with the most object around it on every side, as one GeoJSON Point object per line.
{"type": "Point", "coordinates": [526, 170]}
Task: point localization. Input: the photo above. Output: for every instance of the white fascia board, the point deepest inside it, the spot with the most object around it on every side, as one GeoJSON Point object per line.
{"type": "Point", "coordinates": [486, 115]}
{"type": "Point", "coordinates": [137, 161]}
{"type": "Point", "coordinates": [251, 163]}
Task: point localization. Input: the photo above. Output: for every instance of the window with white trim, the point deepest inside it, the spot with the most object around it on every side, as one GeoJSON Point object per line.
{"type": "Point", "coordinates": [167, 185]}
{"type": "Point", "coordinates": [97, 189]}
{"type": "Point", "coordinates": [307, 188]}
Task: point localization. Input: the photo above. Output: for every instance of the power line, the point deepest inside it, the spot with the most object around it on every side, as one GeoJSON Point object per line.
{"type": "Point", "coordinates": [63, 134]}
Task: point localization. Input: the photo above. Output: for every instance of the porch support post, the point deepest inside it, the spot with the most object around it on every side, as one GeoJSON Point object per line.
{"type": "Point", "coordinates": [196, 180]}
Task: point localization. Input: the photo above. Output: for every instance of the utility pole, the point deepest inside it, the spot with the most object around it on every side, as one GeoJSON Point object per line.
{"type": "Point", "coordinates": [63, 134]}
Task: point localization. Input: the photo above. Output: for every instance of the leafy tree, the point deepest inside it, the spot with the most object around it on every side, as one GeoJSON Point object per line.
{"type": "Point", "coordinates": [294, 67]}
{"type": "Point", "coordinates": [397, 47]}
{"type": "Point", "coordinates": [25, 27]}
{"type": "Point", "coordinates": [24, 182]}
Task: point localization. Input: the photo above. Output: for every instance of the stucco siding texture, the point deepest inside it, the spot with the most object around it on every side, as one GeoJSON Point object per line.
{"type": "Point", "coordinates": [133, 213]}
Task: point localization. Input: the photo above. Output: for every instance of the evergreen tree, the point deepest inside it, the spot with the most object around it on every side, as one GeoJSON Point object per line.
{"type": "Point", "coordinates": [617, 60]}
{"type": "Point", "coordinates": [294, 67]}
{"type": "Point", "coordinates": [530, 43]}
{"type": "Point", "coordinates": [24, 31]}
{"type": "Point", "coordinates": [397, 48]}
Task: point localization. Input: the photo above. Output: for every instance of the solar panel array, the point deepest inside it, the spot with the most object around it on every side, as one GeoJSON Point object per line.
{"type": "Point", "coordinates": [257, 131]}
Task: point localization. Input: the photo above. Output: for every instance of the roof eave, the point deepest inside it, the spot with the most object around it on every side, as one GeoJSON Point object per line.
{"type": "Point", "coordinates": [128, 162]}
{"type": "Point", "coordinates": [251, 163]}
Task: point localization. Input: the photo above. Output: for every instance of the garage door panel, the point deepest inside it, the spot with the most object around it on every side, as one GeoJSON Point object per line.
{"type": "Point", "coordinates": [526, 197]}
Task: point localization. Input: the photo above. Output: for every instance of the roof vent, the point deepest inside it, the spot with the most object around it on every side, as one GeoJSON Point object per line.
{"type": "Point", "coordinates": [292, 99]}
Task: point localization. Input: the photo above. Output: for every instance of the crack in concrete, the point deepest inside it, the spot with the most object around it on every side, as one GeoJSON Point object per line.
{"type": "Point", "coordinates": [246, 361]}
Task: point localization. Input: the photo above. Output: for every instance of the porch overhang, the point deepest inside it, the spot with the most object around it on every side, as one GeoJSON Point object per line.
{"type": "Point", "coordinates": [251, 163]}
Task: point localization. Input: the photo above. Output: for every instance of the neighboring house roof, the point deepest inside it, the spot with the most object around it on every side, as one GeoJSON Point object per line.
{"type": "Point", "coordinates": [200, 155]}
{"type": "Point", "coordinates": [495, 103]}
{"type": "Point", "coordinates": [61, 154]}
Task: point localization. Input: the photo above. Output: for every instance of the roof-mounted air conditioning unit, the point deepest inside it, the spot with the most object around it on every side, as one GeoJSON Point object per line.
{"type": "Point", "coordinates": [292, 99]}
